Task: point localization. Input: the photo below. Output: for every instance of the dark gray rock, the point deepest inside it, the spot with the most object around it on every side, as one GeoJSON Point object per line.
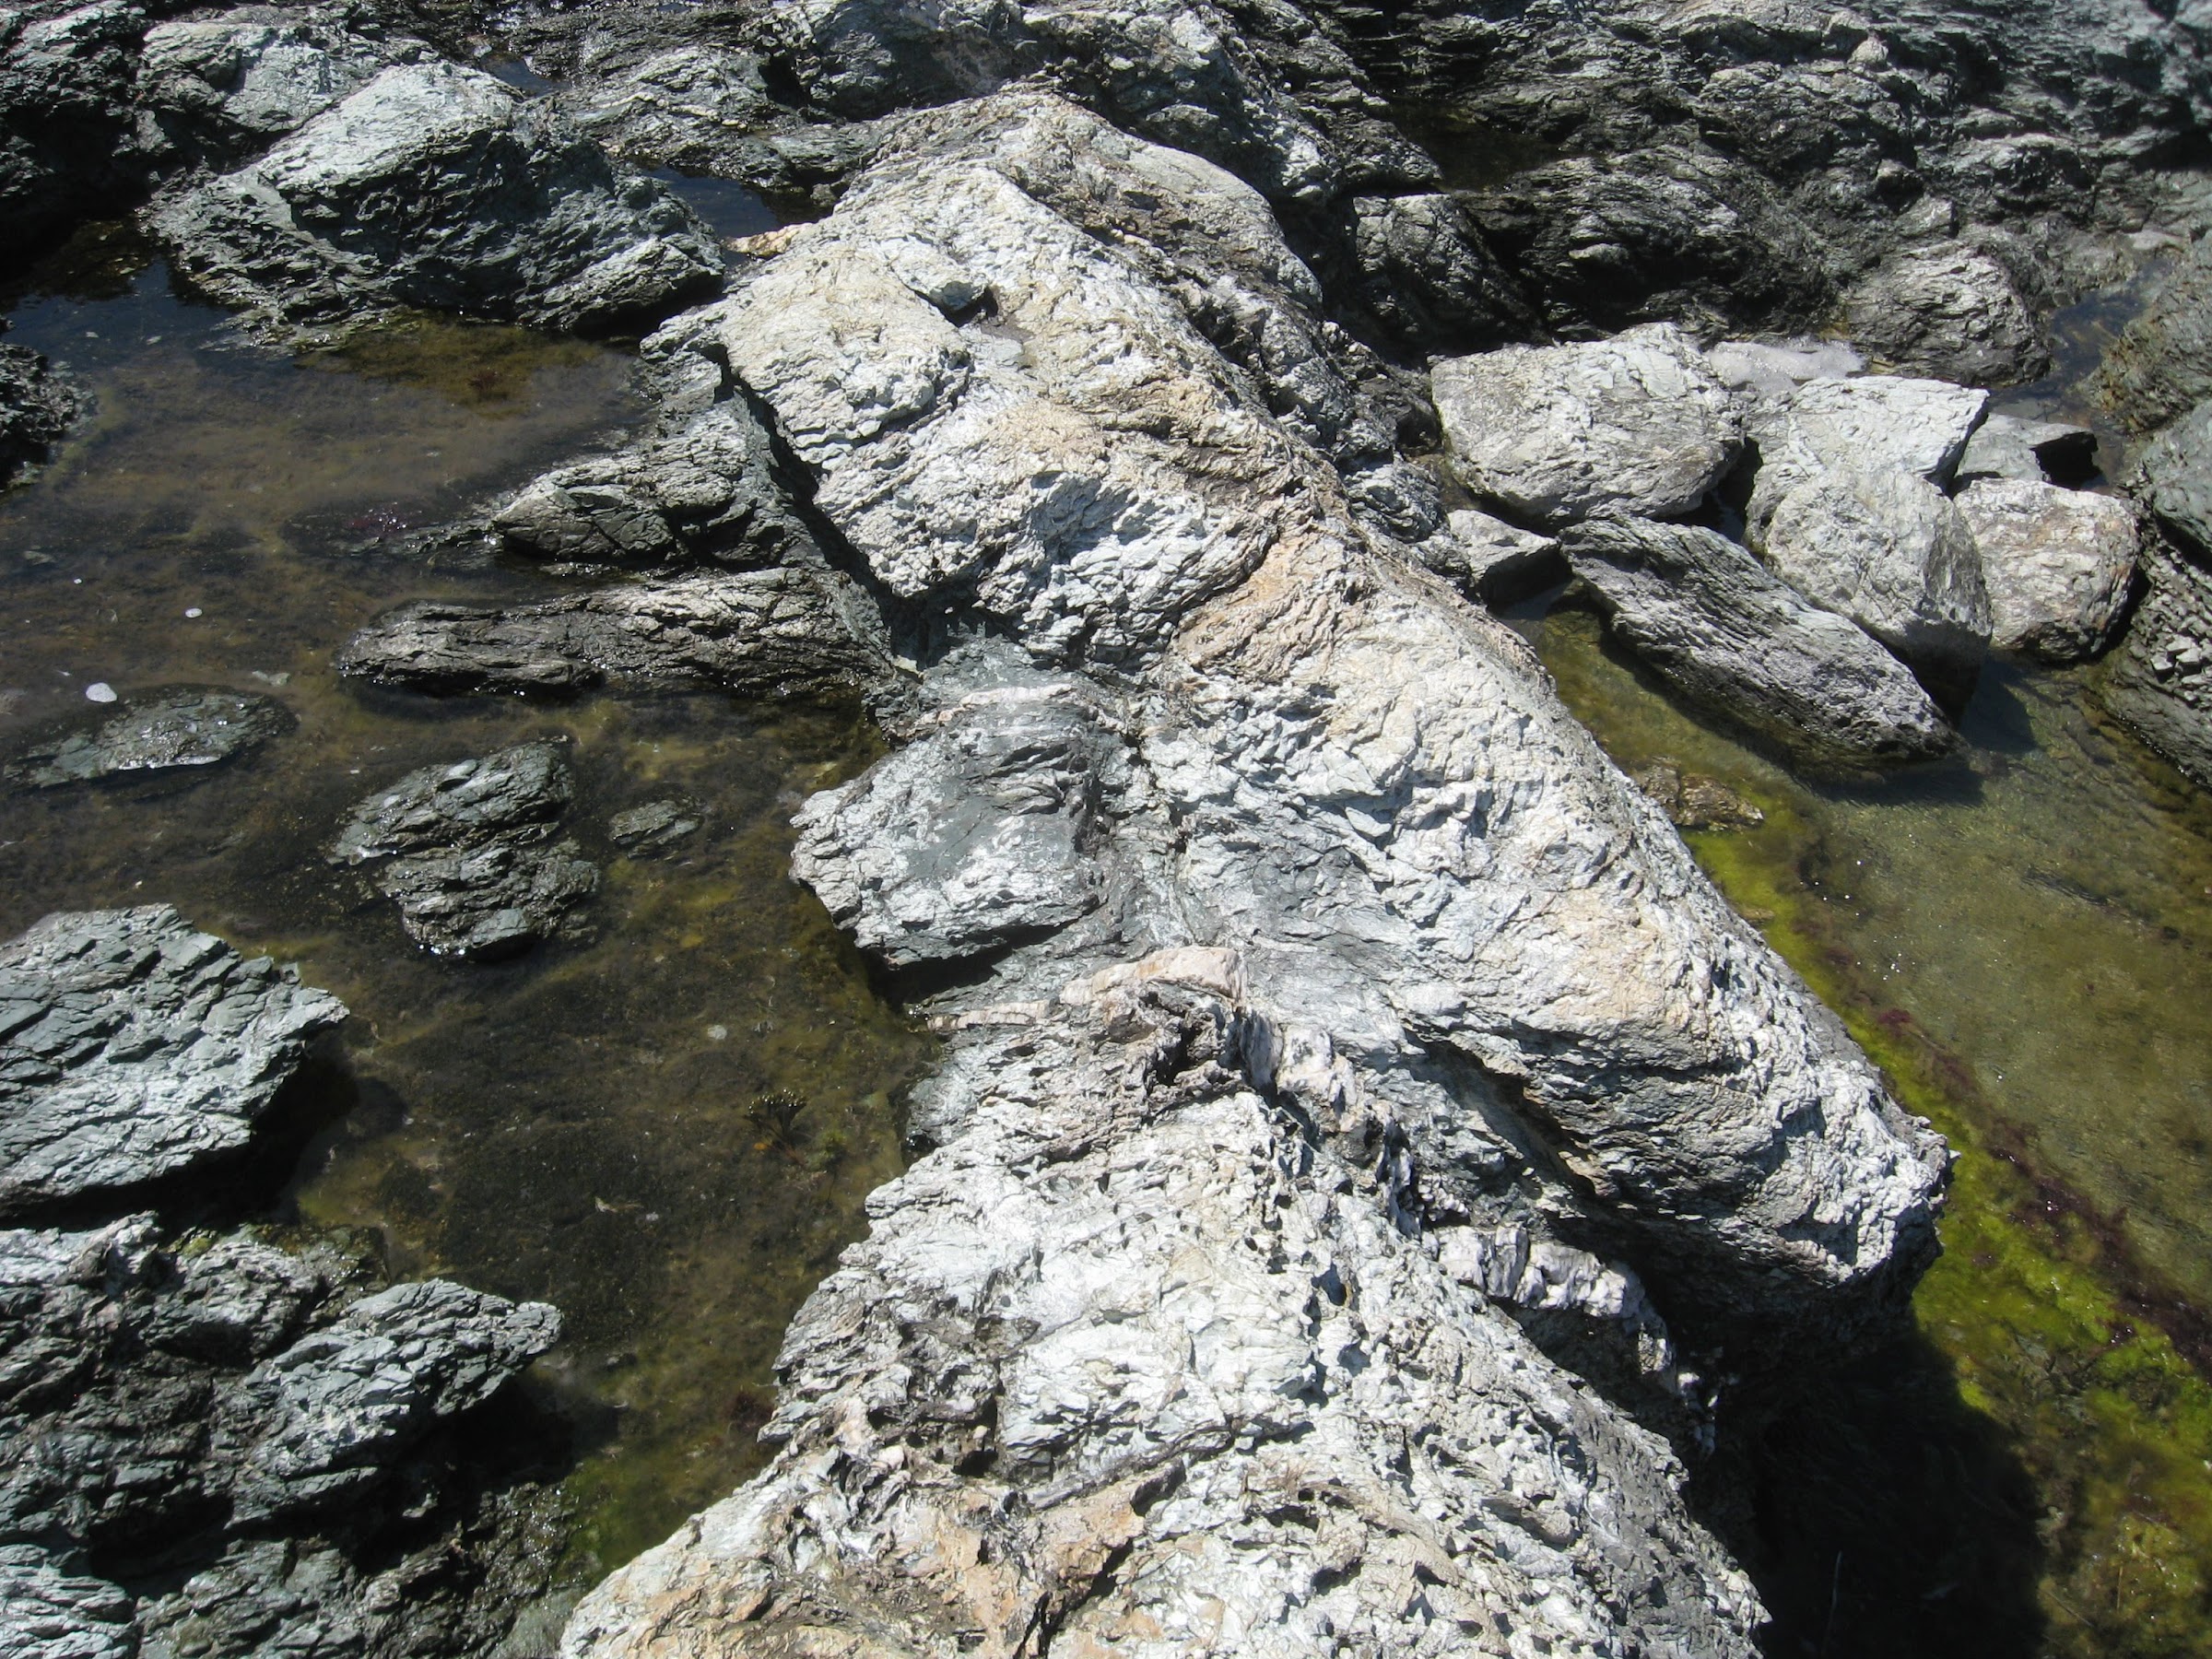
{"type": "Point", "coordinates": [134, 1048]}
{"type": "Point", "coordinates": [2029, 452]}
{"type": "Point", "coordinates": [465, 852]}
{"type": "Point", "coordinates": [66, 140]}
{"type": "Point", "coordinates": [2159, 680]}
{"type": "Point", "coordinates": [1720, 628]}
{"type": "Point", "coordinates": [767, 633]}
{"type": "Point", "coordinates": [1429, 278]}
{"type": "Point", "coordinates": [1950, 310]}
{"type": "Point", "coordinates": [2161, 367]}
{"type": "Point", "coordinates": [49, 1611]}
{"type": "Point", "coordinates": [2176, 482]}
{"type": "Point", "coordinates": [169, 731]}
{"type": "Point", "coordinates": [38, 406]}
{"type": "Point", "coordinates": [656, 826]}
{"type": "Point", "coordinates": [439, 187]}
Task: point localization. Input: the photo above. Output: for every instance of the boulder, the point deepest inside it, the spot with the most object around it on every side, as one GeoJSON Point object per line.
{"type": "Point", "coordinates": [1427, 276]}
{"type": "Point", "coordinates": [465, 852]}
{"type": "Point", "coordinates": [2030, 452]}
{"type": "Point", "coordinates": [1724, 630]}
{"type": "Point", "coordinates": [763, 633]}
{"type": "Point", "coordinates": [1948, 310]}
{"type": "Point", "coordinates": [1875, 423]}
{"type": "Point", "coordinates": [38, 406]}
{"type": "Point", "coordinates": [2159, 680]}
{"type": "Point", "coordinates": [2161, 367]}
{"type": "Point", "coordinates": [134, 1048]}
{"type": "Point", "coordinates": [2058, 565]}
{"type": "Point", "coordinates": [183, 729]}
{"type": "Point", "coordinates": [439, 187]}
{"type": "Point", "coordinates": [1494, 562]}
{"type": "Point", "coordinates": [1636, 424]}
{"type": "Point", "coordinates": [1768, 370]}
{"type": "Point", "coordinates": [1891, 552]}
{"type": "Point", "coordinates": [2176, 478]}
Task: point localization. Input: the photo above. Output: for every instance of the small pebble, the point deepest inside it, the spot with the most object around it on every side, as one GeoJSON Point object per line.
{"type": "Point", "coordinates": [100, 691]}
{"type": "Point", "coordinates": [193, 610]}
{"type": "Point", "coordinates": [718, 1033]}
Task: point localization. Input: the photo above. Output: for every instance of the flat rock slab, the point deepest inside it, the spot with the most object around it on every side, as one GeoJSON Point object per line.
{"type": "Point", "coordinates": [439, 187]}
{"type": "Point", "coordinates": [1871, 423]}
{"type": "Point", "coordinates": [466, 851]}
{"type": "Point", "coordinates": [1636, 424]}
{"type": "Point", "coordinates": [1727, 632]}
{"type": "Point", "coordinates": [185, 728]}
{"type": "Point", "coordinates": [133, 1048]}
{"type": "Point", "coordinates": [1891, 552]}
{"type": "Point", "coordinates": [2058, 564]}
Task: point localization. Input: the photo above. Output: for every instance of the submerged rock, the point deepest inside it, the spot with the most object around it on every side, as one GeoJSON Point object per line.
{"type": "Point", "coordinates": [1637, 424]}
{"type": "Point", "coordinates": [466, 852]}
{"type": "Point", "coordinates": [38, 406]}
{"type": "Point", "coordinates": [439, 187]}
{"type": "Point", "coordinates": [1693, 800]}
{"type": "Point", "coordinates": [1727, 633]}
{"type": "Point", "coordinates": [185, 728]}
{"type": "Point", "coordinates": [133, 1048]}
{"type": "Point", "coordinates": [2059, 565]}
{"type": "Point", "coordinates": [1891, 552]}
{"type": "Point", "coordinates": [656, 826]}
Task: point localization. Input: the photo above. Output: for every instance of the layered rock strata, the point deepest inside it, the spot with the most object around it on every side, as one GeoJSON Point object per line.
{"type": "Point", "coordinates": [1298, 948]}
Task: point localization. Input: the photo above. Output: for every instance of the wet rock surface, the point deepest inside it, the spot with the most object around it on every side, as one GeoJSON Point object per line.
{"type": "Point", "coordinates": [1728, 634]}
{"type": "Point", "coordinates": [137, 1049]}
{"type": "Point", "coordinates": [181, 729]}
{"type": "Point", "coordinates": [657, 827]}
{"type": "Point", "coordinates": [466, 851]}
{"type": "Point", "coordinates": [38, 406]}
{"type": "Point", "coordinates": [1870, 424]}
{"type": "Point", "coordinates": [2059, 565]}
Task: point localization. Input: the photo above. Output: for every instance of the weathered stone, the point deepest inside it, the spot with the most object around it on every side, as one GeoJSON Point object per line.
{"type": "Point", "coordinates": [439, 187]}
{"type": "Point", "coordinates": [656, 826]}
{"type": "Point", "coordinates": [133, 1048]}
{"type": "Point", "coordinates": [174, 730]}
{"type": "Point", "coordinates": [1429, 277]}
{"type": "Point", "coordinates": [1636, 424]}
{"type": "Point", "coordinates": [1875, 423]}
{"type": "Point", "coordinates": [1950, 310]}
{"type": "Point", "coordinates": [2159, 680]}
{"type": "Point", "coordinates": [1493, 561]}
{"type": "Point", "coordinates": [698, 108]}
{"type": "Point", "coordinates": [1720, 627]}
{"type": "Point", "coordinates": [1891, 552]}
{"type": "Point", "coordinates": [66, 120]}
{"type": "Point", "coordinates": [2031, 452]}
{"type": "Point", "coordinates": [465, 852]}
{"type": "Point", "coordinates": [323, 1419]}
{"type": "Point", "coordinates": [765, 633]}
{"type": "Point", "coordinates": [2058, 565]}
{"type": "Point", "coordinates": [49, 1611]}
{"type": "Point", "coordinates": [2176, 482]}
{"type": "Point", "coordinates": [38, 406]}
{"type": "Point", "coordinates": [2161, 367]}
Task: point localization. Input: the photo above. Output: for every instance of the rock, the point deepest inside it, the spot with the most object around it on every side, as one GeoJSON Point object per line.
{"type": "Point", "coordinates": [2160, 366]}
{"type": "Point", "coordinates": [321, 1420]}
{"type": "Point", "coordinates": [2058, 565]}
{"type": "Point", "coordinates": [1427, 276]}
{"type": "Point", "coordinates": [656, 826]}
{"type": "Point", "coordinates": [2159, 680]}
{"type": "Point", "coordinates": [1693, 800]}
{"type": "Point", "coordinates": [1494, 562]}
{"type": "Point", "coordinates": [1770, 370]}
{"type": "Point", "coordinates": [221, 88]}
{"type": "Point", "coordinates": [1891, 552]}
{"type": "Point", "coordinates": [465, 852]}
{"type": "Point", "coordinates": [1875, 423]}
{"type": "Point", "coordinates": [2176, 478]}
{"type": "Point", "coordinates": [1724, 630]}
{"type": "Point", "coordinates": [1004, 793]}
{"type": "Point", "coordinates": [1636, 424]}
{"type": "Point", "coordinates": [766, 633]}
{"type": "Point", "coordinates": [699, 108]}
{"type": "Point", "coordinates": [38, 406]}
{"type": "Point", "coordinates": [1950, 310]}
{"type": "Point", "coordinates": [48, 1611]}
{"type": "Point", "coordinates": [185, 728]}
{"type": "Point", "coordinates": [439, 187]}
{"type": "Point", "coordinates": [2031, 452]}
{"type": "Point", "coordinates": [66, 147]}
{"type": "Point", "coordinates": [133, 1048]}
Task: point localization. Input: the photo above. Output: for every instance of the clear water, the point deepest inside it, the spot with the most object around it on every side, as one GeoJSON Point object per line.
{"type": "Point", "coordinates": [580, 1125]}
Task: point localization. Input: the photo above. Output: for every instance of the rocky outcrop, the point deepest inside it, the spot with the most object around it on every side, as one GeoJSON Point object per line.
{"type": "Point", "coordinates": [38, 406]}
{"type": "Point", "coordinates": [2176, 478]}
{"type": "Point", "coordinates": [1279, 923]}
{"type": "Point", "coordinates": [438, 187]}
{"type": "Point", "coordinates": [134, 1049]}
{"type": "Point", "coordinates": [1728, 634]}
{"type": "Point", "coordinates": [1639, 424]}
{"type": "Point", "coordinates": [466, 851]}
{"type": "Point", "coordinates": [1868, 423]}
{"type": "Point", "coordinates": [67, 148]}
{"type": "Point", "coordinates": [2059, 565]}
{"type": "Point", "coordinates": [2029, 452]}
{"type": "Point", "coordinates": [2161, 367]}
{"type": "Point", "coordinates": [2159, 680]}
{"type": "Point", "coordinates": [186, 728]}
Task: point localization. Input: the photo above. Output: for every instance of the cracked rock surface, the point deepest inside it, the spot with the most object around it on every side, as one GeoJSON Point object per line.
{"type": "Point", "coordinates": [2059, 565]}
{"type": "Point", "coordinates": [181, 729]}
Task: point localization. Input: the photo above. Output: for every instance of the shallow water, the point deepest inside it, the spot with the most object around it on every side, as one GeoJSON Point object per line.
{"type": "Point", "coordinates": [580, 1124]}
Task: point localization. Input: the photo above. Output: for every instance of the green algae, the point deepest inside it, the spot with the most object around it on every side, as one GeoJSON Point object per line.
{"type": "Point", "coordinates": [2033, 1473]}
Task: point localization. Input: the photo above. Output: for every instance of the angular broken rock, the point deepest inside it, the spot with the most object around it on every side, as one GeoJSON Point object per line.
{"type": "Point", "coordinates": [1493, 563]}
{"type": "Point", "coordinates": [1947, 310]}
{"type": "Point", "coordinates": [465, 852]}
{"type": "Point", "coordinates": [1891, 552]}
{"type": "Point", "coordinates": [50, 1609]}
{"type": "Point", "coordinates": [1871, 423]}
{"type": "Point", "coordinates": [1636, 424]}
{"type": "Point", "coordinates": [2033, 452]}
{"type": "Point", "coordinates": [2058, 564]}
{"type": "Point", "coordinates": [38, 405]}
{"type": "Point", "coordinates": [176, 729]}
{"type": "Point", "coordinates": [656, 826]}
{"type": "Point", "coordinates": [1725, 631]}
{"type": "Point", "coordinates": [2159, 680]}
{"type": "Point", "coordinates": [134, 1048]}
{"type": "Point", "coordinates": [439, 187]}
{"type": "Point", "coordinates": [760, 633]}
{"type": "Point", "coordinates": [323, 1419]}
